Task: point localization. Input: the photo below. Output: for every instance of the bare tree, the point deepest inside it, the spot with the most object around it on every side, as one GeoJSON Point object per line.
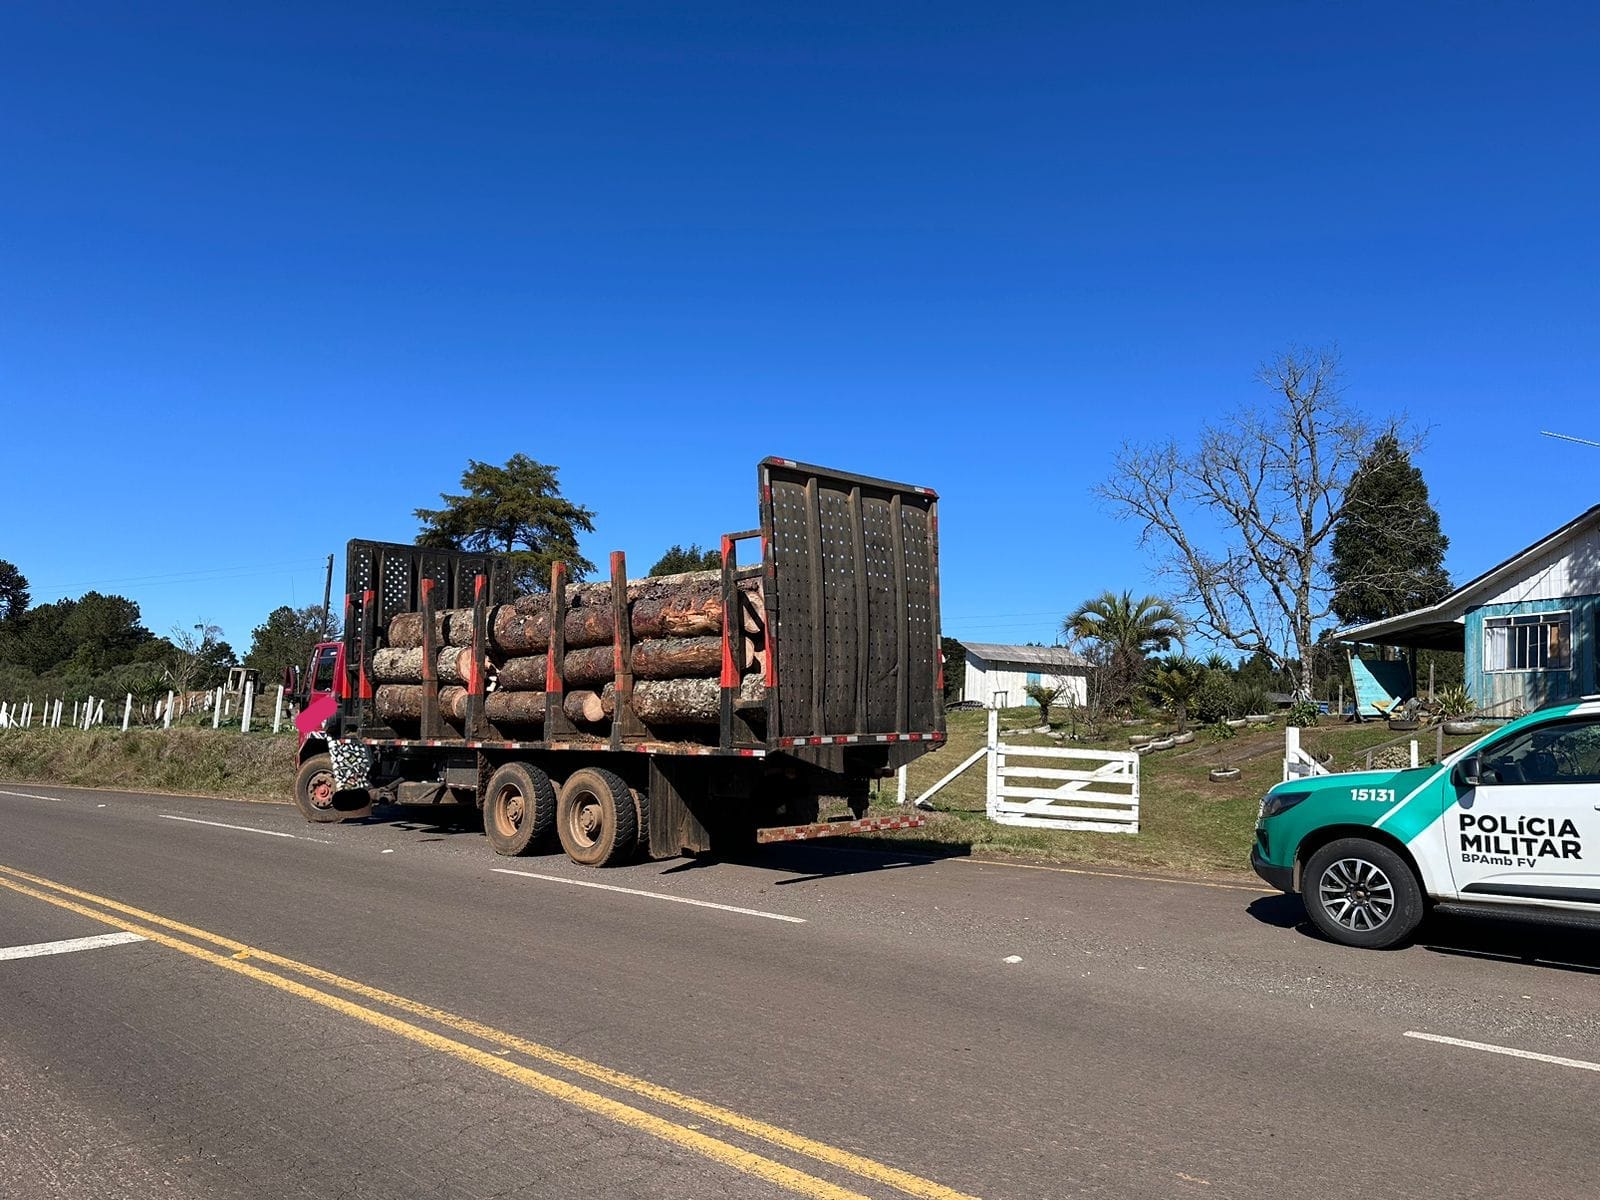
{"type": "Point", "coordinates": [194, 656]}
{"type": "Point", "coordinates": [1274, 480]}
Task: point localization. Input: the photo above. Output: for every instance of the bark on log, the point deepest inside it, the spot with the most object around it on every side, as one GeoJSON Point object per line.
{"type": "Point", "coordinates": [592, 665]}
{"type": "Point", "coordinates": [677, 658]}
{"type": "Point", "coordinates": [514, 708]}
{"type": "Point", "coordinates": [403, 702]}
{"type": "Point", "coordinates": [398, 702]}
{"type": "Point", "coordinates": [688, 605]}
{"type": "Point", "coordinates": [393, 664]}
{"type": "Point", "coordinates": [681, 701]}
{"type": "Point", "coordinates": [584, 706]}
{"type": "Point", "coordinates": [528, 708]}
{"type": "Point", "coordinates": [521, 674]}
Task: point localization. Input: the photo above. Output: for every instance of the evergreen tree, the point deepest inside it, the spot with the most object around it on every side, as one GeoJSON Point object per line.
{"type": "Point", "coordinates": [692, 557]}
{"type": "Point", "coordinates": [1388, 549]}
{"type": "Point", "coordinates": [516, 510]}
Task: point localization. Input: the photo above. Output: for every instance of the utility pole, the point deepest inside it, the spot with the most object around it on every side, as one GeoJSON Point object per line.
{"type": "Point", "coordinates": [327, 599]}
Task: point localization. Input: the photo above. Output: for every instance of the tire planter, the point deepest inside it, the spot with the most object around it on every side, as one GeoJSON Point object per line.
{"type": "Point", "coordinates": [1224, 774]}
{"type": "Point", "coordinates": [1462, 728]}
{"type": "Point", "coordinates": [1404, 725]}
{"type": "Point", "coordinates": [1235, 722]}
{"type": "Point", "coordinates": [1161, 744]}
{"type": "Point", "coordinates": [1259, 718]}
{"type": "Point", "coordinates": [1182, 739]}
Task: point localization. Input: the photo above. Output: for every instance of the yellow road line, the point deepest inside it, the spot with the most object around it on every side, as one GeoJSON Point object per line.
{"type": "Point", "coordinates": [1226, 887]}
{"type": "Point", "coordinates": [866, 1168]}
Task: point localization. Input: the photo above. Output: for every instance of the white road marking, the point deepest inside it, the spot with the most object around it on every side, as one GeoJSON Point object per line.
{"type": "Point", "coordinates": [611, 887]}
{"type": "Point", "coordinates": [1554, 1059]}
{"type": "Point", "coordinates": [240, 828]}
{"type": "Point", "coordinates": [40, 949]}
{"type": "Point", "coordinates": [36, 796]}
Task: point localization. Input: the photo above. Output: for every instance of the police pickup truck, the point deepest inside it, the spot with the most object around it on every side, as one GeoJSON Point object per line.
{"type": "Point", "coordinates": [1510, 822]}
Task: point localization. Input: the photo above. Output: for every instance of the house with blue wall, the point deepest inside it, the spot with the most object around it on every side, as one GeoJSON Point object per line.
{"type": "Point", "coordinates": [1529, 628]}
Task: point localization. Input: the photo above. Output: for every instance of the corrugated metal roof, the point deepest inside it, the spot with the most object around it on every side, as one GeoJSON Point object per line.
{"type": "Point", "coordinates": [1036, 656]}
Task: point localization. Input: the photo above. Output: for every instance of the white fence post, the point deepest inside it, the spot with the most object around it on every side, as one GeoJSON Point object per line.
{"type": "Point", "coordinates": [127, 712]}
{"type": "Point", "coordinates": [5, 717]}
{"type": "Point", "coordinates": [992, 770]}
{"type": "Point", "coordinates": [1413, 752]}
{"type": "Point", "coordinates": [247, 707]}
{"type": "Point", "coordinates": [74, 714]}
{"type": "Point", "coordinates": [166, 715]}
{"type": "Point", "coordinates": [900, 787]}
{"type": "Point", "coordinates": [216, 710]}
{"type": "Point", "coordinates": [277, 710]}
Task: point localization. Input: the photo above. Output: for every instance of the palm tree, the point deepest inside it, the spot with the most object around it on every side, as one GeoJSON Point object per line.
{"type": "Point", "coordinates": [1131, 627]}
{"type": "Point", "coordinates": [1127, 630]}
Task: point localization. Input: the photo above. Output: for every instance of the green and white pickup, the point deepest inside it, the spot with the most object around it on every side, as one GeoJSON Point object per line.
{"type": "Point", "coordinates": [1510, 822]}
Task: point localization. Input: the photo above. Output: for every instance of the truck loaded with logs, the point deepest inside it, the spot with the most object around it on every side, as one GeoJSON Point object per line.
{"type": "Point", "coordinates": [659, 716]}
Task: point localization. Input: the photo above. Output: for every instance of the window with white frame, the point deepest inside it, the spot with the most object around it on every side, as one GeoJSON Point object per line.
{"type": "Point", "coordinates": [1536, 642]}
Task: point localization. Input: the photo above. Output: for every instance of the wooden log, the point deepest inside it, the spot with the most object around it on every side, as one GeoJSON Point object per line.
{"type": "Point", "coordinates": [453, 705]}
{"type": "Point", "coordinates": [682, 701]}
{"type": "Point", "coordinates": [678, 658]}
{"type": "Point", "coordinates": [584, 706]}
{"type": "Point", "coordinates": [592, 665]}
{"type": "Point", "coordinates": [398, 702]}
{"type": "Point", "coordinates": [514, 632]}
{"type": "Point", "coordinates": [403, 702]}
{"type": "Point", "coordinates": [521, 674]}
{"type": "Point", "coordinates": [451, 627]}
{"type": "Point", "coordinates": [394, 664]}
{"type": "Point", "coordinates": [658, 658]}
{"type": "Point", "coordinates": [528, 708]}
{"type": "Point", "coordinates": [514, 708]}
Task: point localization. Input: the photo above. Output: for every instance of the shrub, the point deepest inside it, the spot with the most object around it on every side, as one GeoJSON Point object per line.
{"type": "Point", "coordinates": [1252, 699]}
{"type": "Point", "coordinates": [1303, 713]}
{"type": "Point", "coordinates": [1221, 732]}
{"type": "Point", "coordinates": [1214, 700]}
{"type": "Point", "coordinates": [1456, 702]}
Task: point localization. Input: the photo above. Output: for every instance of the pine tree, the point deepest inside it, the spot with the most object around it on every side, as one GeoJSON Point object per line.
{"type": "Point", "coordinates": [1388, 548]}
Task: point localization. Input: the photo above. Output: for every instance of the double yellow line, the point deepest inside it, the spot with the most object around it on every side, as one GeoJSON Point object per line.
{"type": "Point", "coordinates": [249, 961]}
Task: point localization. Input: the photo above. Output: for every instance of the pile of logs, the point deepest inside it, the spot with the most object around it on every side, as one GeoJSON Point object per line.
{"type": "Point", "coordinates": [676, 627]}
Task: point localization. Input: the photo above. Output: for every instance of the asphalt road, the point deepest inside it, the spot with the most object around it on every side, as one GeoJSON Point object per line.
{"type": "Point", "coordinates": [379, 1010]}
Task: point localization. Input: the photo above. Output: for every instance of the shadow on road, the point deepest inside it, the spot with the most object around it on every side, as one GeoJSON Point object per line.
{"type": "Point", "coordinates": [1492, 937]}
{"type": "Point", "coordinates": [1506, 939]}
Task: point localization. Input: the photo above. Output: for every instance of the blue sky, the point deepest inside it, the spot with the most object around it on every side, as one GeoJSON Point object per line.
{"type": "Point", "coordinates": [273, 274]}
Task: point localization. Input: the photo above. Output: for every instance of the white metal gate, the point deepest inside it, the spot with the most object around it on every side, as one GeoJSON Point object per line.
{"type": "Point", "coordinates": [1051, 787]}
{"type": "Point", "coordinates": [1060, 787]}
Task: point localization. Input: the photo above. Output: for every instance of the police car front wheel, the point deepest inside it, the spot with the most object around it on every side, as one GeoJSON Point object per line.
{"type": "Point", "coordinates": [1362, 893]}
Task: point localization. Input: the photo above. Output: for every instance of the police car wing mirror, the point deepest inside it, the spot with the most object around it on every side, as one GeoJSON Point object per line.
{"type": "Point", "coordinates": [1465, 774]}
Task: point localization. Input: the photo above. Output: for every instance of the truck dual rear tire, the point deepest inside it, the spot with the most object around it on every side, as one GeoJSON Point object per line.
{"type": "Point", "coordinates": [596, 819]}
{"type": "Point", "coordinates": [1362, 893]}
{"type": "Point", "coordinates": [519, 807]}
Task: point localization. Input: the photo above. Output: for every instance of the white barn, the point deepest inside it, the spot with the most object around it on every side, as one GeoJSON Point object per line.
{"type": "Point", "coordinates": [996, 675]}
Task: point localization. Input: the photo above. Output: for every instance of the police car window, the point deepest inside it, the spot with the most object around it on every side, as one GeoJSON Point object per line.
{"type": "Point", "coordinates": [1557, 753]}
{"type": "Point", "coordinates": [323, 681]}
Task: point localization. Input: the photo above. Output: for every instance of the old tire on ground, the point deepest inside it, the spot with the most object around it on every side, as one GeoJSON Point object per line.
{"type": "Point", "coordinates": [1362, 893]}
{"type": "Point", "coordinates": [316, 799]}
{"type": "Point", "coordinates": [519, 807]}
{"type": "Point", "coordinates": [596, 819]}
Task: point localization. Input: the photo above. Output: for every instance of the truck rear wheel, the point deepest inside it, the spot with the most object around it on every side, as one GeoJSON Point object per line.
{"type": "Point", "coordinates": [519, 808]}
{"type": "Point", "coordinates": [596, 819]}
{"type": "Point", "coordinates": [1362, 893]}
{"type": "Point", "coordinates": [315, 797]}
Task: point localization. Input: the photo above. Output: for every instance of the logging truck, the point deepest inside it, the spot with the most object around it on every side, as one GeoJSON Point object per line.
{"type": "Point", "coordinates": [685, 714]}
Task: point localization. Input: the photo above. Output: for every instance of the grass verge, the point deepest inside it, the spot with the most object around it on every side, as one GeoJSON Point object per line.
{"type": "Point", "coordinates": [1187, 823]}
{"type": "Point", "coordinates": [199, 762]}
